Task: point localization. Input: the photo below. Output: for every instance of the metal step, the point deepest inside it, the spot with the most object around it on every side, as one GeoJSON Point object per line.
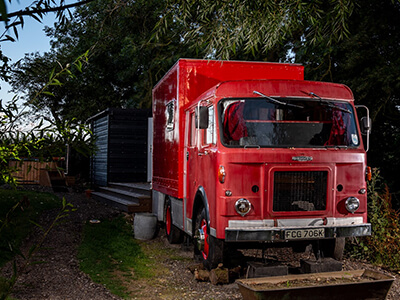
{"type": "Point", "coordinates": [124, 194]}
{"type": "Point", "coordinates": [136, 187]}
{"type": "Point", "coordinates": [127, 197]}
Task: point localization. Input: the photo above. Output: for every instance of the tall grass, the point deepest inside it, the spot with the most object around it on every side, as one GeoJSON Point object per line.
{"type": "Point", "coordinates": [15, 224]}
{"type": "Point", "coordinates": [19, 212]}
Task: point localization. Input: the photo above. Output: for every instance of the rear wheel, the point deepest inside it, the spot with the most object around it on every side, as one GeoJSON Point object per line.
{"type": "Point", "coordinates": [174, 235]}
{"type": "Point", "coordinates": [209, 249]}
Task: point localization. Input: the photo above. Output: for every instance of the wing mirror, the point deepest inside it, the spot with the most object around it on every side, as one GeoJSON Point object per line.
{"type": "Point", "coordinates": [365, 124]}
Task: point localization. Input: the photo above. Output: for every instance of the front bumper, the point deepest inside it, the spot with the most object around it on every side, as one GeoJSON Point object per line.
{"type": "Point", "coordinates": [280, 234]}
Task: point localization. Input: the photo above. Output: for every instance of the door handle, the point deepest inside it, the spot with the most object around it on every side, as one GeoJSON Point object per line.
{"type": "Point", "coordinates": [203, 153]}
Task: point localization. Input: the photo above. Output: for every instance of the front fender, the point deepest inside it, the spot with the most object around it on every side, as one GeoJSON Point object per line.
{"type": "Point", "coordinates": [201, 201]}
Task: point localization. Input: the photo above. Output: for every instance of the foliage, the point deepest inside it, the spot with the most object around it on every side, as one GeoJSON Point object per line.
{"type": "Point", "coordinates": [20, 207]}
{"type": "Point", "coordinates": [21, 136]}
{"type": "Point", "coordinates": [107, 249]}
{"type": "Point", "coordinates": [18, 211]}
{"type": "Point", "coordinates": [123, 64]}
{"type": "Point", "coordinates": [228, 28]}
{"type": "Point", "coordinates": [382, 247]}
{"type": "Point", "coordinates": [353, 42]}
{"type": "Point", "coordinates": [368, 63]}
{"type": "Point", "coordinates": [35, 10]}
{"type": "Point", "coordinates": [15, 20]}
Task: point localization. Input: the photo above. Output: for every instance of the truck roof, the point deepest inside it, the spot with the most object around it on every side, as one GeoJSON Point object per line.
{"type": "Point", "coordinates": [192, 77]}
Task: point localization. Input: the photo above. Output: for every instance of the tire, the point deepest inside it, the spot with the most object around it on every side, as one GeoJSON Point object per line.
{"type": "Point", "coordinates": [174, 235]}
{"type": "Point", "coordinates": [212, 253]}
{"type": "Point", "coordinates": [330, 248]}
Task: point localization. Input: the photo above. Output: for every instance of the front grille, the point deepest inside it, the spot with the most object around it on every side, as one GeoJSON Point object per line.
{"type": "Point", "coordinates": [300, 190]}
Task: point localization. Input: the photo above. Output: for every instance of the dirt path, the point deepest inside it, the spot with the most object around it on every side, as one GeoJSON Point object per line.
{"type": "Point", "coordinates": [60, 277]}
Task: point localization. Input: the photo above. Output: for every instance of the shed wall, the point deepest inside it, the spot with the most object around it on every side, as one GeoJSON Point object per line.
{"type": "Point", "coordinates": [122, 146]}
{"type": "Point", "coordinates": [100, 159]}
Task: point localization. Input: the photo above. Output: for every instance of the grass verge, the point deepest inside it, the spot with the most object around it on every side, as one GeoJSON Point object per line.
{"type": "Point", "coordinates": [111, 257]}
{"type": "Point", "coordinates": [16, 224]}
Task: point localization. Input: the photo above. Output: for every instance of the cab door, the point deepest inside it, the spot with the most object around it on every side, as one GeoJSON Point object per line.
{"type": "Point", "coordinates": [190, 166]}
{"type": "Point", "coordinates": [200, 150]}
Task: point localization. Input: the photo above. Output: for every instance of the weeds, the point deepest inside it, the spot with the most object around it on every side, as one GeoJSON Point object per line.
{"type": "Point", "coordinates": [11, 223]}
{"type": "Point", "coordinates": [383, 246]}
{"type": "Point", "coordinates": [17, 210]}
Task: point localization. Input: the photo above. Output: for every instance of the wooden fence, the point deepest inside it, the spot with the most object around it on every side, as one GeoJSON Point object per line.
{"type": "Point", "coordinates": [28, 172]}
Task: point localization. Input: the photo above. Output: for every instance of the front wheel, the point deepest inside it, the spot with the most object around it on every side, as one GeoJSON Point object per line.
{"type": "Point", "coordinates": [209, 249]}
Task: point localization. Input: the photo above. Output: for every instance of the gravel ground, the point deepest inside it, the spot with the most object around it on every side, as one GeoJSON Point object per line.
{"type": "Point", "coordinates": [60, 277]}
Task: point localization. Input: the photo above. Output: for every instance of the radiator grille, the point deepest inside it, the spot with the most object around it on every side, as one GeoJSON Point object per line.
{"type": "Point", "coordinates": [300, 190]}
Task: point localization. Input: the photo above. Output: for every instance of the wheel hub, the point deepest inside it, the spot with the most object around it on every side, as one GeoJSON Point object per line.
{"type": "Point", "coordinates": [200, 237]}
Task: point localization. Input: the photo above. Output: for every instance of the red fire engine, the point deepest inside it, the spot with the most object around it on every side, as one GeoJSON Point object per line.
{"type": "Point", "coordinates": [249, 153]}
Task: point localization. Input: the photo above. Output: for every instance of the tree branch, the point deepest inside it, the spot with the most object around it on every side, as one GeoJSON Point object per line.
{"type": "Point", "coordinates": [45, 10]}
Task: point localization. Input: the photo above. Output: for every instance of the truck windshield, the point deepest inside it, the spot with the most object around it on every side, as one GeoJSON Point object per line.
{"type": "Point", "coordinates": [288, 123]}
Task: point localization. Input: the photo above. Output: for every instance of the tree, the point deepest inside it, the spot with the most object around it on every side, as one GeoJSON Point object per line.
{"type": "Point", "coordinates": [368, 62]}
{"type": "Point", "coordinates": [123, 64]}
{"type": "Point", "coordinates": [228, 29]}
{"type": "Point", "coordinates": [335, 40]}
{"type": "Point", "coordinates": [127, 56]}
{"type": "Point", "coordinates": [42, 140]}
{"type": "Point", "coordinates": [15, 20]}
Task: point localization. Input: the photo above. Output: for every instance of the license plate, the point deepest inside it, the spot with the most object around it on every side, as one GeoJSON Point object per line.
{"type": "Point", "coordinates": [315, 233]}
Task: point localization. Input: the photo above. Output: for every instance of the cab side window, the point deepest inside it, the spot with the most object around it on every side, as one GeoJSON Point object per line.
{"type": "Point", "coordinates": [192, 130]}
{"type": "Point", "coordinates": [210, 133]}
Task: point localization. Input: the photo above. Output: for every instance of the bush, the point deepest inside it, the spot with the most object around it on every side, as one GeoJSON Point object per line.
{"type": "Point", "coordinates": [383, 246]}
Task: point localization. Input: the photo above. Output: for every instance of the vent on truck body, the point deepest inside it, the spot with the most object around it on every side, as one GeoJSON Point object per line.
{"type": "Point", "coordinates": [300, 190]}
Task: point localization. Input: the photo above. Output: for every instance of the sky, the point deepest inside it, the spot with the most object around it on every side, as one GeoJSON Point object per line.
{"type": "Point", "coordinates": [31, 39]}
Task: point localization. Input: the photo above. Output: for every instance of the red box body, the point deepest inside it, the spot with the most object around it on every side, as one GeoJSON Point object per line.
{"type": "Point", "coordinates": [184, 83]}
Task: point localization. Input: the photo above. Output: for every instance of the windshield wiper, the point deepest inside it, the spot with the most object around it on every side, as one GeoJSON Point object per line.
{"type": "Point", "coordinates": [277, 101]}
{"type": "Point", "coordinates": [328, 103]}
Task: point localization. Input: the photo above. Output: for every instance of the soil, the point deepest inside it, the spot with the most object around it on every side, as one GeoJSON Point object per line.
{"type": "Point", "coordinates": [308, 280]}
{"type": "Point", "coordinates": [60, 278]}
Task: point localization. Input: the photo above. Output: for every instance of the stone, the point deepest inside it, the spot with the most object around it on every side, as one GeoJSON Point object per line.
{"type": "Point", "coordinates": [327, 264]}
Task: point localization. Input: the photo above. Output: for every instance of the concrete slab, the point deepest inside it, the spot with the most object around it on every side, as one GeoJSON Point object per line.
{"type": "Point", "coordinates": [258, 269]}
{"type": "Point", "coordinates": [322, 265]}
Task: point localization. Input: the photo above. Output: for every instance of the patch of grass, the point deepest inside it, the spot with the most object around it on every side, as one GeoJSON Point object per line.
{"type": "Point", "coordinates": [18, 224]}
{"type": "Point", "coordinates": [110, 255]}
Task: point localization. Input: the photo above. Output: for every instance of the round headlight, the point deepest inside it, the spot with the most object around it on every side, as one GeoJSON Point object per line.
{"type": "Point", "coordinates": [352, 204]}
{"type": "Point", "coordinates": [243, 206]}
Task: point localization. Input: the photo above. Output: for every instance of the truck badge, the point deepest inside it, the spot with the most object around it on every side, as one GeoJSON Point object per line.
{"type": "Point", "coordinates": [302, 158]}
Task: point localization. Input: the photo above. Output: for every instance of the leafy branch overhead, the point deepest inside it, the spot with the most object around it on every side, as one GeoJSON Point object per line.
{"type": "Point", "coordinates": [54, 77]}
{"type": "Point", "coordinates": [253, 26]}
{"type": "Point", "coordinates": [36, 10]}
